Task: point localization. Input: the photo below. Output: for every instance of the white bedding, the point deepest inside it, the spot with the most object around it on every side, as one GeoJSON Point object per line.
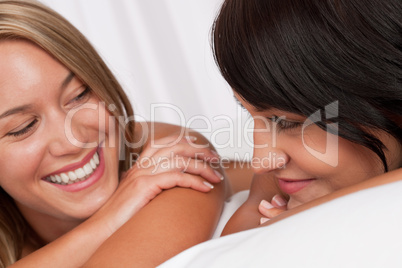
{"type": "Point", "coordinates": [229, 208]}
{"type": "Point", "coordinates": [363, 229]}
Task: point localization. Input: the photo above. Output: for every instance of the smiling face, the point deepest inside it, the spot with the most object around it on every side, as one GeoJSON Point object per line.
{"type": "Point", "coordinates": [52, 130]}
{"type": "Point", "coordinates": [301, 159]}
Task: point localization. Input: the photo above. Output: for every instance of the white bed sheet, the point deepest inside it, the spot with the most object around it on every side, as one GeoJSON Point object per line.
{"type": "Point", "coordinates": [230, 206]}
{"type": "Point", "coordinates": [363, 229]}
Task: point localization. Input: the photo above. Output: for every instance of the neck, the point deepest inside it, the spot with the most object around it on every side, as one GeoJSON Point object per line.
{"type": "Point", "coordinates": [46, 228]}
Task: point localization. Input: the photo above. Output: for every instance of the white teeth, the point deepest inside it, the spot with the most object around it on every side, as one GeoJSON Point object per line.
{"type": "Point", "coordinates": [88, 169]}
{"type": "Point", "coordinates": [77, 175]}
{"type": "Point", "coordinates": [64, 177]}
{"type": "Point", "coordinates": [80, 173]}
{"type": "Point", "coordinates": [58, 179]}
{"type": "Point", "coordinates": [92, 163]}
{"type": "Point", "coordinates": [72, 175]}
{"type": "Point", "coordinates": [96, 159]}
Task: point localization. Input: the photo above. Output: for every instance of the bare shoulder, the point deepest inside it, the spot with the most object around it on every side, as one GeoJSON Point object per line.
{"type": "Point", "coordinates": [145, 131]}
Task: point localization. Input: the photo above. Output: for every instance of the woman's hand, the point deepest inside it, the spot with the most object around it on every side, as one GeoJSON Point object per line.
{"type": "Point", "coordinates": [167, 163]}
{"type": "Point", "coordinates": [271, 209]}
{"type": "Point", "coordinates": [137, 187]}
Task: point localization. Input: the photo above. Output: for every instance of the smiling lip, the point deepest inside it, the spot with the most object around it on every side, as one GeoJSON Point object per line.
{"type": "Point", "coordinates": [75, 165]}
{"type": "Point", "coordinates": [91, 180]}
{"type": "Point", "coordinates": [292, 186]}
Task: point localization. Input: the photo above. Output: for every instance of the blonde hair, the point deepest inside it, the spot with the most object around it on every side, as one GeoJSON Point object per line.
{"type": "Point", "coordinates": [33, 21]}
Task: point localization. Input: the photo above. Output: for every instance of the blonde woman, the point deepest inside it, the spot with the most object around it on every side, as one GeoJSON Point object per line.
{"type": "Point", "coordinates": [66, 142]}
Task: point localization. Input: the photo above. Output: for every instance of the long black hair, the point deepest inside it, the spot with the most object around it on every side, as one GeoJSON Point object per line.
{"type": "Point", "coordinates": [301, 55]}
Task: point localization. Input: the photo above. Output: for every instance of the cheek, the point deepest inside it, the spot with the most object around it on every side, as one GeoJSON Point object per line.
{"type": "Point", "coordinates": [319, 142]}
{"type": "Point", "coordinates": [310, 163]}
{"type": "Point", "coordinates": [360, 162]}
{"type": "Point", "coordinates": [19, 165]}
{"type": "Point", "coordinates": [109, 126]}
{"type": "Point", "coordinates": [320, 147]}
{"type": "Point", "coordinates": [97, 122]}
{"type": "Point", "coordinates": [331, 156]}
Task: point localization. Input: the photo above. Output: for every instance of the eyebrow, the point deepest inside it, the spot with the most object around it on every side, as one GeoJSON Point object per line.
{"type": "Point", "coordinates": [24, 108]}
{"type": "Point", "coordinates": [16, 110]}
{"type": "Point", "coordinates": [67, 81]}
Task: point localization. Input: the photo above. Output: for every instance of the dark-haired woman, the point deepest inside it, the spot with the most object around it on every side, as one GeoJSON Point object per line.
{"type": "Point", "coordinates": [323, 81]}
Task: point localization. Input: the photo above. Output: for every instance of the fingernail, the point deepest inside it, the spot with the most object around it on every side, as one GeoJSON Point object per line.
{"type": "Point", "coordinates": [215, 153]}
{"type": "Point", "coordinates": [219, 175]}
{"type": "Point", "coordinates": [265, 204]}
{"type": "Point", "coordinates": [208, 184]}
{"type": "Point", "coordinates": [279, 200]}
{"type": "Point", "coordinates": [190, 138]}
{"type": "Point", "coordinates": [263, 220]}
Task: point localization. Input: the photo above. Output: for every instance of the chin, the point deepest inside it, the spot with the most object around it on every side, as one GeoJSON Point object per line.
{"type": "Point", "coordinates": [88, 208]}
{"type": "Point", "coordinates": [297, 201]}
{"type": "Point", "coordinates": [294, 203]}
{"type": "Point", "coordinates": [84, 214]}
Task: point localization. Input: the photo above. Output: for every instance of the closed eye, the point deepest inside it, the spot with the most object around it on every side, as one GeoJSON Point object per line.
{"type": "Point", "coordinates": [25, 130]}
{"type": "Point", "coordinates": [284, 124]}
{"type": "Point", "coordinates": [82, 97]}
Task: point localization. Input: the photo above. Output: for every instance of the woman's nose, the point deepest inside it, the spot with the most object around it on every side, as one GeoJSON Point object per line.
{"type": "Point", "coordinates": [66, 137]}
{"type": "Point", "coordinates": [266, 160]}
{"type": "Point", "coordinates": [268, 154]}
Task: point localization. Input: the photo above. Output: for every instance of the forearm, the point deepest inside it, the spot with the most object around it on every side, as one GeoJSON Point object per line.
{"type": "Point", "coordinates": [70, 250]}
{"type": "Point", "coordinates": [175, 220]}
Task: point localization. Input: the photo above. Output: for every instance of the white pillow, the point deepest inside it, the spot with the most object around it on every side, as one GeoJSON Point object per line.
{"type": "Point", "coordinates": [363, 229]}
{"type": "Point", "coordinates": [230, 207]}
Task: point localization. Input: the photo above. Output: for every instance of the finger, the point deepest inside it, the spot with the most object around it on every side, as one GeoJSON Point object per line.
{"type": "Point", "coordinates": [279, 202]}
{"type": "Point", "coordinates": [154, 145]}
{"type": "Point", "coordinates": [263, 220]}
{"type": "Point", "coordinates": [185, 150]}
{"type": "Point", "coordinates": [201, 168]}
{"type": "Point", "coordinates": [123, 174]}
{"type": "Point", "coordinates": [186, 165]}
{"type": "Point", "coordinates": [189, 139]}
{"type": "Point", "coordinates": [268, 210]}
{"type": "Point", "coordinates": [156, 183]}
{"type": "Point", "coordinates": [169, 142]}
